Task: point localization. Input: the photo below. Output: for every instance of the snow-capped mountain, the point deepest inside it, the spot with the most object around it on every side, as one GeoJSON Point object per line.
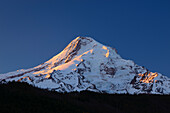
{"type": "Point", "coordinates": [85, 64]}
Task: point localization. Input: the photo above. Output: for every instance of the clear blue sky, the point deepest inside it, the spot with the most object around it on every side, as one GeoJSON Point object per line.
{"type": "Point", "coordinates": [33, 31]}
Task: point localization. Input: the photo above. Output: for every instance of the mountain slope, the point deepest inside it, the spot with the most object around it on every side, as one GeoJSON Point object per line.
{"type": "Point", "coordinates": [88, 65]}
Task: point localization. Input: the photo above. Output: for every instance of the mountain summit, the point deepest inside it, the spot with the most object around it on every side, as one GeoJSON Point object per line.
{"type": "Point", "coordinates": [85, 64]}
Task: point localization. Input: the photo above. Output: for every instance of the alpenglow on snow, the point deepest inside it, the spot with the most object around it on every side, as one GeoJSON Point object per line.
{"type": "Point", "coordinates": [85, 64]}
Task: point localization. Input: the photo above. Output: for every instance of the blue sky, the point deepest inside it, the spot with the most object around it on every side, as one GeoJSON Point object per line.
{"type": "Point", "coordinates": [33, 31]}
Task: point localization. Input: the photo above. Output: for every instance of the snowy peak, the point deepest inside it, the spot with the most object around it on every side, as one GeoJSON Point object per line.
{"type": "Point", "coordinates": [72, 48]}
{"type": "Point", "coordinates": [85, 64]}
{"type": "Point", "coordinates": [77, 50]}
{"type": "Point", "coordinates": [79, 46]}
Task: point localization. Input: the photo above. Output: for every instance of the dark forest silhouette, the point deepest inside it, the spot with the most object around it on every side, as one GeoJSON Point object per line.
{"type": "Point", "coordinates": [18, 97]}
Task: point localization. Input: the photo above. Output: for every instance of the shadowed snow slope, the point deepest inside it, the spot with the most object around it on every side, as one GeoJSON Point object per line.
{"type": "Point", "coordinates": [88, 65]}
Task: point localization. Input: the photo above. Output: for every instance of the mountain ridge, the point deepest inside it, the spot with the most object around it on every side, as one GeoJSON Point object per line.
{"type": "Point", "coordinates": [86, 64]}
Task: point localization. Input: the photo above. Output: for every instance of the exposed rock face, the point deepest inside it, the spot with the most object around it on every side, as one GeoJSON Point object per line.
{"type": "Point", "coordinates": [104, 69]}
{"type": "Point", "coordinates": [88, 65]}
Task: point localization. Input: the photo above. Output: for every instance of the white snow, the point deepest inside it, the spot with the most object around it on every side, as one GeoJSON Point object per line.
{"type": "Point", "coordinates": [83, 71]}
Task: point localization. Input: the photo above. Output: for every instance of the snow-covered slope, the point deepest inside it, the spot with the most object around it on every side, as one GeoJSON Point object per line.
{"type": "Point", "coordinates": [88, 65]}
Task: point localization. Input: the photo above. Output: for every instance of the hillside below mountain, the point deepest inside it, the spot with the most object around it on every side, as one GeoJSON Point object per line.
{"type": "Point", "coordinates": [17, 97]}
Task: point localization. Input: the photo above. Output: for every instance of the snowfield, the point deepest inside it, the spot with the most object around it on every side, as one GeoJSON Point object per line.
{"type": "Point", "coordinates": [85, 64]}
